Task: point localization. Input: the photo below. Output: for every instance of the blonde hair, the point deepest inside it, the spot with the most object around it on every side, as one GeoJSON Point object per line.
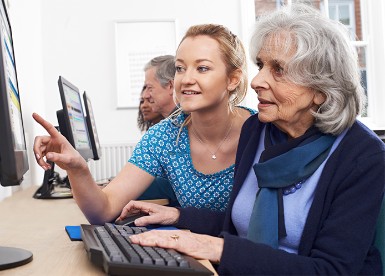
{"type": "Point", "coordinates": [233, 55]}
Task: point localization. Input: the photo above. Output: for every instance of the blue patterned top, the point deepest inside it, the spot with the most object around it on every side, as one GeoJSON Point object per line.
{"type": "Point", "coordinates": [159, 154]}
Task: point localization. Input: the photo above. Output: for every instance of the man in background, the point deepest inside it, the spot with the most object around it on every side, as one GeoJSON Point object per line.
{"type": "Point", "coordinates": [159, 87]}
{"type": "Point", "coordinates": [159, 82]}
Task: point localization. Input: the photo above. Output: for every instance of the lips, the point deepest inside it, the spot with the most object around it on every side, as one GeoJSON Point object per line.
{"type": "Point", "coordinates": [146, 111]}
{"type": "Point", "coordinates": [263, 101]}
{"type": "Point", "coordinates": [190, 92]}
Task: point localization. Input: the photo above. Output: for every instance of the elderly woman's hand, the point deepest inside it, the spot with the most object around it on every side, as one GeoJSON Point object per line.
{"type": "Point", "coordinates": [195, 245]}
{"type": "Point", "coordinates": [157, 214]}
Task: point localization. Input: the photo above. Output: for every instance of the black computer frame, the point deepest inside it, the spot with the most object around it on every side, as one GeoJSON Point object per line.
{"type": "Point", "coordinates": [92, 131]}
{"type": "Point", "coordinates": [52, 180]}
{"type": "Point", "coordinates": [13, 163]}
{"type": "Point", "coordinates": [63, 119]}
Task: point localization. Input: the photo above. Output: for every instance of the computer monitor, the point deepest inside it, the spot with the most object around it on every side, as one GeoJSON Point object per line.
{"type": "Point", "coordinates": [73, 126]}
{"type": "Point", "coordinates": [90, 119]}
{"type": "Point", "coordinates": [72, 123]}
{"type": "Point", "coordinates": [13, 152]}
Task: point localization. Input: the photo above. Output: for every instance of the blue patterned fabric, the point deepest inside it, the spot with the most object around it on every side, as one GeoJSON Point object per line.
{"type": "Point", "coordinates": [159, 154]}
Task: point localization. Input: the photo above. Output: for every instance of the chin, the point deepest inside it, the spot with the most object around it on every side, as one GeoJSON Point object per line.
{"type": "Point", "coordinates": [264, 118]}
{"type": "Point", "coordinates": [187, 108]}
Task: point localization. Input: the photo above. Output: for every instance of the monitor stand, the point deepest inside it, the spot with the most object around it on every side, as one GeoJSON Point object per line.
{"type": "Point", "coordinates": [13, 257]}
{"type": "Point", "coordinates": [48, 190]}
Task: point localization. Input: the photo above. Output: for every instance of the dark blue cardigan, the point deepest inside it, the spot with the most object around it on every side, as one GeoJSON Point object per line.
{"type": "Point", "coordinates": [340, 227]}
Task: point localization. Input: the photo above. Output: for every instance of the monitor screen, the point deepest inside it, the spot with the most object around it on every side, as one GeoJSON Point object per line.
{"type": "Point", "coordinates": [90, 119]}
{"type": "Point", "coordinates": [72, 123]}
{"type": "Point", "coordinates": [13, 152]}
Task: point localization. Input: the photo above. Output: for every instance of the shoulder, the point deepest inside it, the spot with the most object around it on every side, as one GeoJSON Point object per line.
{"type": "Point", "coordinates": [245, 114]}
{"type": "Point", "coordinates": [250, 110]}
{"type": "Point", "coordinates": [166, 131]}
{"type": "Point", "coordinates": [360, 151]}
{"type": "Point", "coordinates": [160, 133]}
{"type": "Point", "coordinates": [362, 138]}
{"type": "Point", "coordinates": [167, 125]}
{"type": "Point", "coordinates": [251, 123]}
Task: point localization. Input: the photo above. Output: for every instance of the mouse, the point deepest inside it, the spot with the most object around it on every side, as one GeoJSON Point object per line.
{"type": "Point", "coordinates": [130, 220]}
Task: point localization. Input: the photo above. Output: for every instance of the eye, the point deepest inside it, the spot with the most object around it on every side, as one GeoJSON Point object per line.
{"type": "Point", "coordinates": [278, 70]}
{"type": "Point", "coordinates": [259, 64]}
{"type": "Point", "coordinates": [202, 69]}
{"type": "Point", "coordinates": [179, 68]}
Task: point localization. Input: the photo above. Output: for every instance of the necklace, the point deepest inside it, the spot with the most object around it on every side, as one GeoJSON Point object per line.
{"type": "Point", "coordinates": [213, 154]}
{"type": "Point", "coordinates": [293, 188]}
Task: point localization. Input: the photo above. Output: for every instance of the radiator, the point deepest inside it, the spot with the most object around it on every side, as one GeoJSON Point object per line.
{"type": "Point", "coordinates": [113, 159]}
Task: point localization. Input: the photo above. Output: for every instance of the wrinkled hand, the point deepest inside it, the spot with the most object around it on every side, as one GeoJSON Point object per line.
{"type": "Point", "coordinates": [195, 245]}
{"type": "Point", "coordinates": [158, 214]}
{"type": "Point", "coordinates": [55, 148]}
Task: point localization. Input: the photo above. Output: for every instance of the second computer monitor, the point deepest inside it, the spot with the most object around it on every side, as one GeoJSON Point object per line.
{"type": "Point", "coordinates": [90, 119]}
{"type": "Point", "coordinates": [72, 123]}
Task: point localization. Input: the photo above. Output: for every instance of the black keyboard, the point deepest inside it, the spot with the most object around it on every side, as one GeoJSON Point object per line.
{"type": "Point", "coordinates": [109, 247]}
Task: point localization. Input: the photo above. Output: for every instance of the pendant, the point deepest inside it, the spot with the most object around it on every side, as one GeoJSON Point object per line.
{"type": "Point", "coordinates": [213, 157]}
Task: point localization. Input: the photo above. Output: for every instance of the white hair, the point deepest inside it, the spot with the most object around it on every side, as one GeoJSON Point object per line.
{"type": "Point", "coordinates": [325, 60]}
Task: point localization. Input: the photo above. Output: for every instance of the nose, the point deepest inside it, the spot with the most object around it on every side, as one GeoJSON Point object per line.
{"type": "Point", "coordinates": [145, 104]}
{"type": "Point", "coordinates": [188, 77]}
{"type": "Point", "coordinates": [146, 94]}
{"type": "Point", "coordinates": [260, 81]}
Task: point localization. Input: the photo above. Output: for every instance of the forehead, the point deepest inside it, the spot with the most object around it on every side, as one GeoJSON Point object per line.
{"type": "Point", "coordinates": [150, 76]}
{"type": "Point", "coordinates": [279, 46]}
{"type": "Point", "coordinates": [198, 47]}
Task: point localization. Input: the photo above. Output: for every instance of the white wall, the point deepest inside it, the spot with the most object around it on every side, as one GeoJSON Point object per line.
{"type": "Point", "coordinates": [75, 39]}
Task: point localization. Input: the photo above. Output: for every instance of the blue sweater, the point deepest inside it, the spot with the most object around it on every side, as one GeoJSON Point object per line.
{"type": "Point", "coordinates": [340, 227]}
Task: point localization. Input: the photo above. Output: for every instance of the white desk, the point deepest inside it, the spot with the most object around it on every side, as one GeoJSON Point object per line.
{"type": "Point", "coordinates": [38, 225]}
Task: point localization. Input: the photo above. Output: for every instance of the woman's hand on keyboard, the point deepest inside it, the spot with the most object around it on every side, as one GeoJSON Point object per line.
{"type": "Point", "coordinates": [157, 214]}
{"type": "Point", "coordinates": [195, 245]}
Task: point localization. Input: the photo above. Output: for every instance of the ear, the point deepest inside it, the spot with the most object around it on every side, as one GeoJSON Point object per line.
{"type": "Point", "coordinates": [234, 80]}
{"type": "Point", "coordinates": [319, 98]}
{"type": "Point", "coordinates": [170, 85]}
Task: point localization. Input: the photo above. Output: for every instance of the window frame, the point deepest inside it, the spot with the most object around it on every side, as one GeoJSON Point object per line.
{"type": "Point", "coordinates": [374, 42]}
{"type": "Point", "coordinates": [373, 15]}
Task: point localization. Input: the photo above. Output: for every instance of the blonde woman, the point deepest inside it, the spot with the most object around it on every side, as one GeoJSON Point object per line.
{"type": "Point", "coordinates": [195, 150]}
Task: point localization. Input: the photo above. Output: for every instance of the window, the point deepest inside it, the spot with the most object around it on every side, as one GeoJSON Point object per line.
{"type": "Point", "coordinates": [343, 11]}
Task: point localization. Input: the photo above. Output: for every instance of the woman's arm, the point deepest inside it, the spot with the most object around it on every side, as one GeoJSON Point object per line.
{"type": "Point", "coordinates": [202, 221]}
{"type": "Point", "coordinates": [98, 205]}
{"type": "Point", "coordinates": [103, 207]}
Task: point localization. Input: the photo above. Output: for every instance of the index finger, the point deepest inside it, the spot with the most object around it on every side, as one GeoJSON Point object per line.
{"type": "Point", "coordinates": [47, 125]}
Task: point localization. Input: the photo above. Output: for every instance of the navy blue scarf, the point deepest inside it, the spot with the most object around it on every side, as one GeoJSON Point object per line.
{"type": "Point", "coordinates": [282, 164]}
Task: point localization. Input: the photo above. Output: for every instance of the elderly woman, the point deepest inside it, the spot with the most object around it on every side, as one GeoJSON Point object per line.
{"type": "Point", "coordinates": [309, 178]}
{"type": "Point", "coordinates": [146, 116]}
